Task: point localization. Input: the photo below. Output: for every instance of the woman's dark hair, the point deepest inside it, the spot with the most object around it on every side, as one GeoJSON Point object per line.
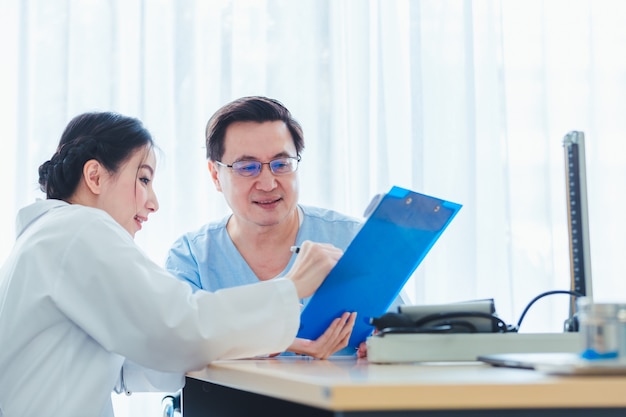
{"type": "Point", "coordinates": [107, 137]}
{"type": "Point", "coordinates": [248, 109]}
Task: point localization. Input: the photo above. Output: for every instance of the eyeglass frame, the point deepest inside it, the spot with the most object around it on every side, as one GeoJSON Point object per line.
{"type": "Point", "coordinates": [297, 158]}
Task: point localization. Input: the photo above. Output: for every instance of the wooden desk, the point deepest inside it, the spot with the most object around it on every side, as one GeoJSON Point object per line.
{"type": "Point", "coordinates": [293, 386]}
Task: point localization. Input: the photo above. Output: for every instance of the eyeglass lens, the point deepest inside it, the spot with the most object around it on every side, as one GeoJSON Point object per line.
{"type": "Point", "coordinates": [277, 166]}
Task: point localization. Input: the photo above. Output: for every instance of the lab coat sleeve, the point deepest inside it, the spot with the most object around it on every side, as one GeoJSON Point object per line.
{"type": "Point", "coordinates": [136, 378]}
{"type": "Point", "coordinates": [131, 306]}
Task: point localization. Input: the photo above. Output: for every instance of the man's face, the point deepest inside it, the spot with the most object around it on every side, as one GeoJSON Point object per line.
{"type": "Point", "coordinates": [266, 199]}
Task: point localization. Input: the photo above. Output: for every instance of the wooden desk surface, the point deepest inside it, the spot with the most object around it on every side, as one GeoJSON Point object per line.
{"type": "Point", "coordinates": [351, 384]}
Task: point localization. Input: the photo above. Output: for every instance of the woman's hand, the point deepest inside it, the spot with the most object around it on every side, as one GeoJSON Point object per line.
{"type": "Point", "coordinates": [334, 339]}
{"type": "Point", "coordinates": [312, 265]}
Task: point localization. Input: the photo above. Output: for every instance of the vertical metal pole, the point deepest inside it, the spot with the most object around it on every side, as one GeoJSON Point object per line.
{"type": "Point", "coordinates": [577, 215]}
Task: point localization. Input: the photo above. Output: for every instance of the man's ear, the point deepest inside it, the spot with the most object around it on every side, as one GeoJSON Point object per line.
{"type": "Point", "coordinates": [92, 175]}
{"type": "Point", "coordinates": [213, 171]}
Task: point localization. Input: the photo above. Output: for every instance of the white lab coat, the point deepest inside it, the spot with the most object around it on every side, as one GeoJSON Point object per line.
{"type": "Point", "coordinates": [78, 298]}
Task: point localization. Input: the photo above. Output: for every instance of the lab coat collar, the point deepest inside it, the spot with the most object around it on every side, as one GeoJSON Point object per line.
{"type": "Point", "coordinates": [29, 214]}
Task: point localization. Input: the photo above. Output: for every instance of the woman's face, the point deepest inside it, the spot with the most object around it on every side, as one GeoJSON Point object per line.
{"type": "Point", "coordinates": [128, 195]}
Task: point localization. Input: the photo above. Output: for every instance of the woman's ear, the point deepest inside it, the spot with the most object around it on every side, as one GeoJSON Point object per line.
{"type": "Point", "coordinates": [92, 175]}
{"type": "Point", "coordinates": [213, 171]}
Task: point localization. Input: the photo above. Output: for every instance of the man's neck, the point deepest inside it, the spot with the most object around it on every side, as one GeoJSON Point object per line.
{"type": "Point", "coordinates": [265, 248]}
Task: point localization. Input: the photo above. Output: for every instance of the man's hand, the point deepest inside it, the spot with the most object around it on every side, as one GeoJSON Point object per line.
{"type": "Point", "coordinates": [361, 352]}
{"type": "Point", "coordinates": [334, 339]}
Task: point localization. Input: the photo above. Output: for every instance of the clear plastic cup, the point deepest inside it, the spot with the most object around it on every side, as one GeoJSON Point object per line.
{"type": "Point", "coordinates": [603, 329]}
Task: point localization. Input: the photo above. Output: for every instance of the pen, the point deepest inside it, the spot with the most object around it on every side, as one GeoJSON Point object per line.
{"type": "Point", "coordinates": [295, 249]}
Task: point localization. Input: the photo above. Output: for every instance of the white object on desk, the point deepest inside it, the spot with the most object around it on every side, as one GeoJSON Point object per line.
{"type": "Point", "coordinates": [407, 347]}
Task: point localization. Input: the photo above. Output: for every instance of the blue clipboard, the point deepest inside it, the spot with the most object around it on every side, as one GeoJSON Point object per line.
{"type": "Point", "coordinates": [400, 229]}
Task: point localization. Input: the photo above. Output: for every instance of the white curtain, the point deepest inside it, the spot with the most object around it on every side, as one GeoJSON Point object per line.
{"type": "Point", "coordinates": [464, 100]}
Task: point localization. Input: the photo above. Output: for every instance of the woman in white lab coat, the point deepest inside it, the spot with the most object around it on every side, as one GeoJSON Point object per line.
{"type": "Point", "coordinates": [83, 311]}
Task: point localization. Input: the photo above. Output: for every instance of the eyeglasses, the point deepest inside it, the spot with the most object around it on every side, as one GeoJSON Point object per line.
{"type": "Point", "coordinates": [279, 166]}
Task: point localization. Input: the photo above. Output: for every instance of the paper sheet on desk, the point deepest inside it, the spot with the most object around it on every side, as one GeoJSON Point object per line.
{"type": "Point", "coordinates": [397, 235]}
